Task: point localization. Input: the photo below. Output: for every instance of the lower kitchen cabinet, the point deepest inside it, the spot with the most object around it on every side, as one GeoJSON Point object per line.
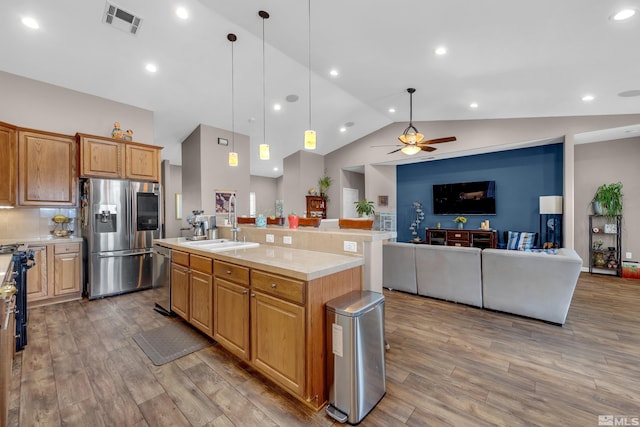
{"type": "Point", "coordinates": [231, 308]}
{"type": "Point", "coordinates": [57, 275]}
{"type": "Point", "coordinates": [180, 284]}
{"type": "Point", "coordinates": [201, 293]}
{"type": "Point", "coordinates": [278, 340]}
{"type": "Point", "coordinates": [67, 262]}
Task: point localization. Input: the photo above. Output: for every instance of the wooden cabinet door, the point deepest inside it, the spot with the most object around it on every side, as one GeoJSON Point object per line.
{"type": "Point", "coordinates": [278, 340]}
{"type": "Point", "coordinates": [8, 171]}
{"type": "Point", "coordinates": [102, 158]}
{"type": "Point", "coordinates": [66, 269]}
{"type": "Point", "coordinates": [231, 317]}
{"type": "Point", "coordinates": [180, 290]}
{"type": "Point", "coordinates": [142, 162]}
{"type": "Point", "coordinates": [47, 171]}
{"type": "Point", "coordinates": [37, 276]}
{"type": "Point", "coordinates": [201, 310]}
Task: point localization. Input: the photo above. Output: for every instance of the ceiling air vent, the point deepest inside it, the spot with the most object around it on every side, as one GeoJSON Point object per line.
{"type": "Point", "coordinates": [121, 19]}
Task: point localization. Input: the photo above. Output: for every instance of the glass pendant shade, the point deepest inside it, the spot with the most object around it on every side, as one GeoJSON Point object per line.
{"type": "Point", "coordinates": [233, 159]}
{"type": "Point", "coordinates": [411, 138]}
{"type": "Point", "coordinates": [310, 140]}
{"type": "Point", "coordinates": [410, 150]}
{"type": "Point", "coordinates": [264, 151]}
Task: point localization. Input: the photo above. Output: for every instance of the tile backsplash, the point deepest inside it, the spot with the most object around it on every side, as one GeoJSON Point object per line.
{"type": "Point", "coordinates": [33, 222]}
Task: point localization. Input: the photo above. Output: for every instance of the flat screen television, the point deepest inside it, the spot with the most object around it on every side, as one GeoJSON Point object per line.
{"type": "Point", "coordinates": [465, 198]}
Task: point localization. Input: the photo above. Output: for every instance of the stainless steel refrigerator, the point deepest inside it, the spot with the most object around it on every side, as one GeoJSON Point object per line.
{"type": "Point", "coordinates": [119, 220]}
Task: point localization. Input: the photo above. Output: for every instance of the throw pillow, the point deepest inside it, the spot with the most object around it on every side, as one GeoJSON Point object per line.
{"type": "Point", "coordinates": [519, 240]}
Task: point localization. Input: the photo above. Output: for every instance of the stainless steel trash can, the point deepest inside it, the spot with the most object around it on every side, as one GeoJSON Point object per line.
{"type": "Point", "coordinates": [355, 371]}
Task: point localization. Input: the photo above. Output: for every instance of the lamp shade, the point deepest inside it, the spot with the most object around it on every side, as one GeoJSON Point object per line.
{"type": "Point", "coordinates": [410, 150]}
{"type": "Point", "coordinates": [310, 139]}
{"type": "Point", "coordinates": [233, 159]}
{"type": "Point", "coordinates": [264, 152]}
{"type": "Point", "coordinates": [550, 205]}
{"type": "Point", "coordinates": [411, 138]}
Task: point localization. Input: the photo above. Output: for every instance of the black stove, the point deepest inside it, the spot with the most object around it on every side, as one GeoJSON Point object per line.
{"type": "Point", "coordinates": [8, 249]}
{"type": "Point", "coordinates": [22, 261]}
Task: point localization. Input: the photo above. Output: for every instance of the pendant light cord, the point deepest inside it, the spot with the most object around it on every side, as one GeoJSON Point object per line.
{"type": "Point", "coordinates": [264, 90]}
{"type": "Point", "coordinates": [233, 140]}
{"type": "Point", "coordinates": [309, 61]}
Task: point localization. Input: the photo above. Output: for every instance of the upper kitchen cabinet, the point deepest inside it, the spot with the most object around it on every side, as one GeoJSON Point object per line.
{"type": "Point", "coordinates": [47, 169]}
{"type": "Point", "coordinates": [104, 157]}
{"type": "Point", "coordinates": [7, 165]}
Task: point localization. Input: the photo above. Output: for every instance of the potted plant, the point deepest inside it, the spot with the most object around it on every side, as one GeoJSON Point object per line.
{"type": "Point", "coordinates": [324, 183]}
{"type": "Point", "coordinates": [608, 200]}
{"type": "Point", "coordinates": [460, 220]}
{"type": "Point", "coordinates": [365, 208]}
{"type": "Point", "coordinates": [294, 220]}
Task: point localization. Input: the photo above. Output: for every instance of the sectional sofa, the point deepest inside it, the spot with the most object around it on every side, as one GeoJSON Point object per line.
{"type": "Point", "coordinates": [532, 284]}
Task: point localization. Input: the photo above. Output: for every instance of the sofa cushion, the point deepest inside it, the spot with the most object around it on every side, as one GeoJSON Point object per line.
{"type": "Point", "coordinates": [399, 267]}
{"type": "Point", "coordinates": [518, 240]}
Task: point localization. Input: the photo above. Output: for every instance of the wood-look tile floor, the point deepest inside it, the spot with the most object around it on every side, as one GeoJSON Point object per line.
{"type": "Point", "coordinates": [449, 364]}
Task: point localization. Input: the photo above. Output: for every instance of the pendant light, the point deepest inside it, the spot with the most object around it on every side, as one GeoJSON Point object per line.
{"type": "Point", "coordinates": [309, 134]}
{"type": "Point", "coordinates": [264, 147]}
{"type": "Point", "coordinates": [233, 155]}
{"type": "Point", "coordinates": [410, 136]}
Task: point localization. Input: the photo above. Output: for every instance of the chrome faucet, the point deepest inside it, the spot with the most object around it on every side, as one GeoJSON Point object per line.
{"type": "Point", "coordinates": [233, 217]}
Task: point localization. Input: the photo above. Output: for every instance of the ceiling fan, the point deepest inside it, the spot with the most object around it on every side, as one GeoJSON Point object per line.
{"type": "Point", "coordinates": [412, 139]}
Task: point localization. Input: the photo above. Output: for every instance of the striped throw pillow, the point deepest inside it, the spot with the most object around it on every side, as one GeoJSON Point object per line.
{"type": "Point", "coordinates": [519, 240]}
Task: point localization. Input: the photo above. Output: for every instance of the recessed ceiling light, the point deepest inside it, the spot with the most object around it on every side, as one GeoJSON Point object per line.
{"type": "Point", "coordinates": [151, 68]}
{"type": "Point", "coordinates": [277, 107]}
{"type": "Point", "coordinates": [623, 14]}
{"type": "Point", "coordinates": [473, 105]}
{"type": "Point", "coordinates": [275, 169]}
{"type": "Point", "coordinates": [343, 129]}
{"type": "Point", "coordinates": [182, 13]}
{"type": "Point", "coordinates": [588, 98]}
{"type": "Point", "coordinates": [392, 110]}
{"type": "Point", "coordinates": [334, 73]}
{"type": "Point", "coordinates": [441, 50]}
{"type": "Point", "coordinates": [30, 22]}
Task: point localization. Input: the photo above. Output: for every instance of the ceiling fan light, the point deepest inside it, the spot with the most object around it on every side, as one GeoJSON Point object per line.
{"type": "Point", "coordinates": [264, 152]}
{"type": "Point", "coordinates": [410, 150]}
{"type": "Point", "coordinates": [411, 138]}
{"type": "Point", "coordinates": [233, 159]}
{"type": "Point", "coordinates": [310, 140]}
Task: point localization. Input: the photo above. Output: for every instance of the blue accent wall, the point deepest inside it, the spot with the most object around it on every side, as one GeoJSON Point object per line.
{"type": "Point", "coordinates": [521, 176]}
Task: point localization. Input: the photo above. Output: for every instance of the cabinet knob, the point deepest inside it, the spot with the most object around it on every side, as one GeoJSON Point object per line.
{"type": "Point", "coordinates": [253, 295]}
{"type": "Point", "coordinates": [246, 291]}
{"type": "Point", "coordinates": [273, 285]}
{"type": "Point", "coordinates": [228, 271]}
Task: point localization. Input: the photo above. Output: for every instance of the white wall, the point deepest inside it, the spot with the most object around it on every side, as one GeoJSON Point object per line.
{"type": "Point", "coordinates": [302, 170]}
{"type": "Point", "coordinates": [36, 105]}
{"type": "Point", "coordinates": [266, 190]}
{"type": "Point", "coordinates": [172, 184]}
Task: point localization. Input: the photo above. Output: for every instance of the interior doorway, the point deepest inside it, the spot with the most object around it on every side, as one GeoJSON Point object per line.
{"type": "Point", "coordinates": [349, 197]}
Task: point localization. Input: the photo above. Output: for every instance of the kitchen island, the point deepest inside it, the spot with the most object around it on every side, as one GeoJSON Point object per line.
{"type": "Point", "coordinates": [265, 305]}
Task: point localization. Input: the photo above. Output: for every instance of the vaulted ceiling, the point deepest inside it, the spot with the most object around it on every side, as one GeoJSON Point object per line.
{"type": "Point", "coordinates": [514, 59]}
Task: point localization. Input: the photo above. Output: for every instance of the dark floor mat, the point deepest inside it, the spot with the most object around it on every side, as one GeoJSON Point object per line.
{"type": "Point", "coordinates": [170, 342]}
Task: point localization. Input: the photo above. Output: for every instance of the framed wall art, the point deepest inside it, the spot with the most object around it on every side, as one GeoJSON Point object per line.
{"type": "Point", "coordinates": [222, 201]}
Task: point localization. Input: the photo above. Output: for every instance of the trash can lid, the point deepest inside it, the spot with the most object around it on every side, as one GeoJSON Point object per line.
{"type": "Point", "coordinates": [355, 303]}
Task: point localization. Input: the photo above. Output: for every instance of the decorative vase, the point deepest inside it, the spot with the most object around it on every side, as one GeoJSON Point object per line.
{"type": "Point", "coordinates": [597, 208]}
{"type": "Point", "coordinates": [461, 226]}
{"type": "Point", "coordinates": [599, 260]}
{"type": "Point", "coordinates": [294, 221]}
{"type": "Point", "coordinates": [261, 221]}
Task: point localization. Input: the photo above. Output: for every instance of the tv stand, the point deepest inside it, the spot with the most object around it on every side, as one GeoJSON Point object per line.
{"type": "Point", "coordinates": [455, 237]}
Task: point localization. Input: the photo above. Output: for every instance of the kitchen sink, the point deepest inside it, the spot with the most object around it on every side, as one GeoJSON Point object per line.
{"type": "Point", "coordinates": [220, 245]}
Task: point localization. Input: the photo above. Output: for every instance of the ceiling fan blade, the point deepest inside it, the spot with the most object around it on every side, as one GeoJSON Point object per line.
{"type": "Point", "coordinates": [388, 145]}
{"type": "Point", "coordinates": [438, 140]}
{"type": "Point", "coordinates": [428, 149]}
{"type": "Point", "coordinates": [394, 151]}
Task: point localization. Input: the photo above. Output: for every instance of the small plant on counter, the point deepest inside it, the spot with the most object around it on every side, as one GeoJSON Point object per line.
{"type": "Point", "coordinates": [365, 208]}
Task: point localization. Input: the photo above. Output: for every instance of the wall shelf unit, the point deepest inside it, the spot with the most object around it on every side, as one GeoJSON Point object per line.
{"type": "Point", "coordinates": [605, 245]}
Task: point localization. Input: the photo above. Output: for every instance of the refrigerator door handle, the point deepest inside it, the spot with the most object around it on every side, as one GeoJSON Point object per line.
{"type": "Point", "coordinates": [124, 254]}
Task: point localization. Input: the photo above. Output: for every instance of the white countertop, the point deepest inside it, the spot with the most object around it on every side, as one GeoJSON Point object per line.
{"type": "Point", "coordinates": [42, 240]}
{"type": "Point", "coordinates": [297, 263]}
